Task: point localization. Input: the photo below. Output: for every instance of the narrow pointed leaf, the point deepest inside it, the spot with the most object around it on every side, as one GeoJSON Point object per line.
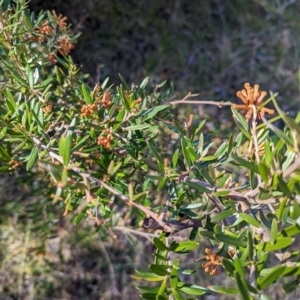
{"type": "Point", "coordinates": [230, 240]}
{"type": "Point", "coordinates": [279, 243]}
{"type": "Point", "coordinates": [270, 278]}
{"type": "Point", "coordinates": [86, 91]}
{"type": "Point", "coordinates": [249, 219]}
{"type": "Point", "coordinates": [32, 158]}
{"type": "Point", "coordinates": [223, 290]}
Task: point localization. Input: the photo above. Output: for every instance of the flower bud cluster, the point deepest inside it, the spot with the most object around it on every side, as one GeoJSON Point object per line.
{"type": "Point", "coordinates": [88, 109]}
{"type": "Point", "coordinates": [105, 140]}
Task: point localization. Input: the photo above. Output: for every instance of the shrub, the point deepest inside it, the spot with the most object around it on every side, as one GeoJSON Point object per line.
{"type": "Point", "coordinates": [101, 152]}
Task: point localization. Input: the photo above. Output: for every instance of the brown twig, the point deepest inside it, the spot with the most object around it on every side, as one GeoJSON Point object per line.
{"type": "Point", "coordinates": [127, 201]}
{"type": "Point", "coordinates": [220, 104]}
{"type": "Point", "coordinates": [247, 196]}
{"type": "Point", "coordinates": [175, 225]}
{"type": "Point", "coordinates": [134, 232]}
{"type": "Point", "coordinates": [200, 102]}
{"type": "Point", "coordinates": [292, 168]}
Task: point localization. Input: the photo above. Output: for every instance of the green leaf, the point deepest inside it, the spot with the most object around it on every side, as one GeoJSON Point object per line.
{"type": "Point", "coordinates": [144, 83]}
{"type": "Point", "coordinates": [82, 142]}
{"type": "Point", "coordinates": [245, 163]}
{"type": "Point", "coordinates": [222, 215]}
{"type": "Point", "coordinates": [185, 152]}
{"type": "Point", "coordinates": [152, 112]}
{"type": "Point", "coordinates": [279, 243]}
{"type": "Point", "coordinates": [86, 91]}
{"type": "Point", "coordinates": [119, 118]}
{"type": "Point", "coordinates": [159, 244]}
{"type": "Point", "coordinates": [38, 118]}
{"type": "Point", "coordinates": [223, 290]}
{"type": "Point", "coordinates": [199, 126]}
{"type": "Point", "coordinates": [230, 144]}
{"type": "Point", "coordinates": [64, 177]}
{"type": "Point", "coordinates": [241, 123]}
{"type": "Point", "coordinates": [291, 286]}
{"type": "Point", "coordinates": [162, 183]}
{"type": "Point", "coordinates": [5, 4]}
{"type": "Point", "coordinates": [193, 233]}
{"type": "Point", "coordinates": [222, 181]}
{"type": "Point", "coordinates": [104, 83]}
{"type": "Point", "coordinates": [183, 246]}
{"type": "Point", "coordinates": [282, 208]}
{"type": "Point", "coordinates": [290, 157]}
{"type": "Point", "coordinates": [289, 231]}
{"type": "Point", "coordinates": [174, 278]}
{"type": "Point", "coordinates": [268, 153]}
{"type": "Point", "coordinates": [3, 132]}
{"type": "Point", "coordinates": [155, 153]}
{"type": "Point", "coordinates": [192, 289]}
{"type": "Point", "coordinates": [160, 270]}
{"type": "Point", "coordinates": [295, 213]}
{"type": "Point", "coordinates": [124, 82]}
{"type": "Point", "coordinates": [10, 100]}
{"type": "Point", "coordinates": [113, 168]}
{"type": "Point", "coordinates": [197, 186]}
{"type": "Point", "coordinates": [221, 150]}
{"type": "Point", "coordinates": [228, 266]}
{"type": "Point", "coordinates": [32, 158]}
{"type": "Point", "coordinates": [284, 188]}
{"type": "Point", "coordinates": [242, 287]}
{"type": "Point", "coordinates": [190, 206]}
{"type": "Point", "coordinates": [162, 287]}
{"type": "Point", "coordinates": [175, 158]}
{"type": "Point", "coordinates": [249, 219]}
{"type": "Point", "coordinates": [287, 140]}
{"type": "Point", "coordinates": [239, 268]}
{"type": "Point", "coordinates": [29, 75]}
{"type": "Point", "coordinates": [68, 143]}
{"type": "Point", "coordinates": [4, 155]}
{"type": "Point", "coordinates": [250, 245]}
{"type": "Point", "coordinates": [230, 240]}
{"type": "Point", "coordinates": [140, 197]}
{"type": "Point", "coordinates": [270, 278]}
{"type": "Point", "coordinates": [287, 120]}
{"type": "Point", "coordinates": [177, 295]}
{"type": "Point", "coordinates": [17, 77]}
{"type": "Point", "coordinates": [148, 276]}
{"type": "Point", "coordinates": [274, 230]}
{"type": "Point", "coordinates": [264, 172]}
{"type": "Point", "coordinates": [44, 83]}
{"type": "Point", "coordinates": [123, 98]}
{"type": "Point", "coordinates": [138, 127]}
{"type": "Point", "coordinates": [79, 217]}
{"type": "Point", "coordinates": [209, 234]}
{"type": "Point", "coordinates": [160, 258]}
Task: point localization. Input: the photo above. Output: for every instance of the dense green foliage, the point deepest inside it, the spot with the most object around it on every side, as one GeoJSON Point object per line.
{"type": "Point", "coordinates": [98, 153]}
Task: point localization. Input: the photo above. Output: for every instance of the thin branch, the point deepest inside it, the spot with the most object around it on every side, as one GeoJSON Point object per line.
{"type": "Point", "coordinates": [175, 225]}
{"type": "Point", "coordinates": [255, 141]}
{"type": "Point", "coordinates": [127, 201]}
{"type": "Point", "coordinates": [292, 168]}
{"type": "Point", "coordinates": [133, 232]}
{"type": "Point", "coordinates": [111, 271]}
{"type": "Point", "coordinates": [220, 104]}
{"type": "Point", "coordinates": [247, 196]}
